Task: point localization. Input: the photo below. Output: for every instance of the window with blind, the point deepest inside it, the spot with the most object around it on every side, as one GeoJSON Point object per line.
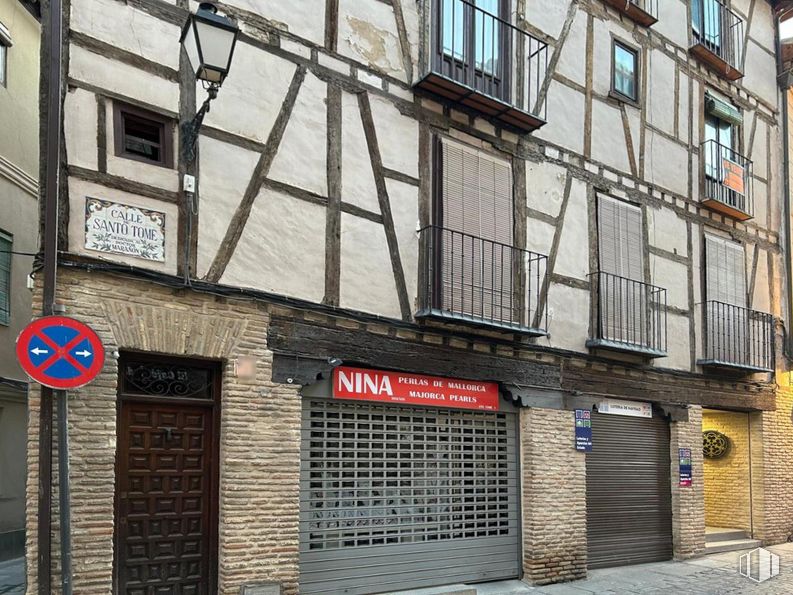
{"type": "Point", "coordinates": [474, 230]}
{"type": "Point", "coordinates": [6, 245]}
{"type": "Point", "coordinates": [625, 301]}
{"type": "Point", "coordinates": [727, 318]}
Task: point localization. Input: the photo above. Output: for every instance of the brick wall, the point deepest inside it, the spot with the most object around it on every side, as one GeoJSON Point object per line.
{"type": "Point", "coordinates": [554, 497]}
{"type": "Point", "coordinates": [260, 436]}
{"type": "Point", "coordinates": [727, 479]}
{"type": "Point", "coordinates": [688, 512]}
{"type": "Point", "coordinates": [777, 518]}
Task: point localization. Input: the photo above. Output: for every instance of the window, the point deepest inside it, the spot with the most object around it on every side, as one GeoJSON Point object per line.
{"type": "Point", "coordinates": [625, 71]}
{"type": "Point", "coordinates": [6, 244]}
{"type": "Point", "coordinates": [706, 22]}
{"type": "Point", "coordinates": [143, 136]}
{"type": "Point", "coordinates": [474, 228]}
{"type": "Point", "coordinates": [474, 39]}
{"type": "Point", "coordinates": [5, 43]}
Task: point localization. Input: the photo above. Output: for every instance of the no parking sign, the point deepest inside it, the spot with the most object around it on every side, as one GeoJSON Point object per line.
{"type": "Point", "coordinates": [60, 352]}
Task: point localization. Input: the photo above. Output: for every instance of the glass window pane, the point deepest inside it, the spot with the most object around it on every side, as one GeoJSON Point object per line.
{"type": "Point", "coordinates": [625, 71]}
{"type": "Point", "coordinates": [486, 29]}
{"type": "Point", "coordinates": [5, 279]}
{"type": "Point", "coordinates": [3, 57]}
{"type": "Point", "coordinates": [453, 17]}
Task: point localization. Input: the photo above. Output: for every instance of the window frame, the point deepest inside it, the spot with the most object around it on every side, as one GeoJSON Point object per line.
{"type": "Point", "coordinates": [166, 127]}
{"type": "Point", "coordinates": [636, 51]}
{"type": "Point", "coordinates": [5, 316]}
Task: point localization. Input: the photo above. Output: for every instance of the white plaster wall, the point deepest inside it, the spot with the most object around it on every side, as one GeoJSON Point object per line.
{"type": "Point", "coordinates": [80, 190]}
{"type": "Point", "coordinates": [367, 279]}
{"type": "Point", "coordinates": [292, 233]}
{"type": "Point", "coordinates": [545, 187]}
{"type": "Point", "coordinates": [129, 29]}
{"type": "Point", "coordinates": [80, 122]}
{"type": "Point", "coordinates": [368, 34]}
{"type": "Point", "coordinates": [672, 276]}
{"type": "Point", "coordinates": [758, 151]}
{"type": "Point", "coordinates": [601, 61]}
{"type": "Point", "coordinates": [304, 18]}
{"type": "Point", "coordinates": [661, 93]}
{"type": "Point", "coordinates": [549, 17]}
{"type": "Point", "coordinates": [252, 94]}
{"type": "Point", "coordinates": [358, 185]}
{"type": "Point", "coordinates": [573, 257]}
{"type": "Point", "coordinates": [397, 136]}
{"type": "Point", "coordinates": [608, 136]}
{"type": "Point", "coordinates": [565, 125]}
{"type": "Point", "coordinates": [404, 200]}
{"type": "Point", "coordinates": [760, 73]}
{"type": "Point", "coordinates": [667, 231]}
{"type": "Point", "coordinates": [761, 300]}
{"type": "Point", "coordinates": [678, 344]}
{"type": "Point", "coordinates": [539, 236]}
{"type": "Point", "coordinates": [672, 21]}
{"type": "Point", "coordinates": [572, 60]}
{"type": "Point", "coordinates": [761, 200]}
{"type": "Point", "coordinates": [225, 172]}
{"type": "Point", "coordinates": [568, 317]}
{"type": "Point", "coordinates": [683, 111]}
{"type": "Point", "coordinates": [666, 163]}
{"type": "Point", "coordinates": [123, 79]}
{"type": "Point", "coordinates": [302, 154]}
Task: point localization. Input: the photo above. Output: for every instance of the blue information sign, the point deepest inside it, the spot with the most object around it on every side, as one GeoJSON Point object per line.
{"type": "Point", "coordinates": [686, 476]}
{"type": "Point", "coordinates": [583, 430]}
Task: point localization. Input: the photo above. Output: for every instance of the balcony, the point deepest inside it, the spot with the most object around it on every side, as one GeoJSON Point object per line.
{"type": "Point", "coordinates": [727, 181]}
{"type": "Point", "coordinates": [470, 280]}
{"type": "Point", "coordinates": [627, 316]}
{"type": "Point", "coordinates": [476, 59]}
{"type": "Point", "coordinates": [737, 338]}
{"type": "Point", "coordinates": [644, 12]}
{"type": "Point", "coordinates": [718, 37]}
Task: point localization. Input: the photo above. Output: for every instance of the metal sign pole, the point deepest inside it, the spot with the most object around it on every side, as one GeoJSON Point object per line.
{"type": "Point", "coordinates": [64, 491]}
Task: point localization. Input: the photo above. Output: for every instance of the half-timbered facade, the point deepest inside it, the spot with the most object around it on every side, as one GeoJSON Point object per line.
{"type": "Point", "coordinates": [402, 206]}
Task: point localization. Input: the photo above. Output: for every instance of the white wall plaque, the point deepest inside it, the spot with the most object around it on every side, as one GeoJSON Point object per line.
{"type": "Point", "coordinates": [124, 229]}
{"type": "Point", "coordinates": [631, 408]}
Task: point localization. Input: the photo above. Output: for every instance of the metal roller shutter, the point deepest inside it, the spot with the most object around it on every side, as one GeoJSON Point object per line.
{"type": "Point", "coordinates": [628, 491]}
{"type": "Point", "coordinates": [404, 497]}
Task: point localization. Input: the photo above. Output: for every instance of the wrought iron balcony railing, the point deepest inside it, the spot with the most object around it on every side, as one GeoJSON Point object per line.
{"type": "Point", "coordinates": [718, 37]}
{"type": "Point", "coordinates": [477, 59]}
{"type": "Point", "coordinates": [737, 337]}
{"type": "Point", "coordinates": [728, 180]}
{"type": "Point", "coordinates": [627, 315]}
{"type": "Point", "coordinates": [471, 280]}
{"type": "Point", "coordinates": [644, 12]}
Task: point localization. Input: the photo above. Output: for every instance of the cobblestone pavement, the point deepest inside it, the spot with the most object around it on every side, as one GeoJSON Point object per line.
{"type": "Point", "coordinates": [12, 577]}
{"type": "Point", "coordinates": [716, 574]}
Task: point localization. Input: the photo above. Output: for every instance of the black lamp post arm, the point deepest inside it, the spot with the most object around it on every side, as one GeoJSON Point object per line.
{"type": "Point", "coordinates": [190, 129]}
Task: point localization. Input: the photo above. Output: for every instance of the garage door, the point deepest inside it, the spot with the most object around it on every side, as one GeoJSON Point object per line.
{"type": "Point", "coordinates": [628, 491]}
{"type": "Point", "coordinates": [403, 497]}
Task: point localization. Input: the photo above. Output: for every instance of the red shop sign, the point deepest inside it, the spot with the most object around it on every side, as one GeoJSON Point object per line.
{"type": "Point", "coordinates": [414, 389]}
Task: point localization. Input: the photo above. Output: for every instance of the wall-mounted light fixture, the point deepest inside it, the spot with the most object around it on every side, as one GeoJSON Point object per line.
{"type": "Point", "coordinates": [209, 40]}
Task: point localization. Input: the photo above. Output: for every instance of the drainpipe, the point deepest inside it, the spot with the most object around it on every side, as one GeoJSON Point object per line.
{"type": "Point", "coordinates": [786, 226]}
{"type": "Point", "coordinates": [52, 36]}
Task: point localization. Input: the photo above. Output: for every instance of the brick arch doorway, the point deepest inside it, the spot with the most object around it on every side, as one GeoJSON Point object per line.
{"type": "Point", "coordinates": [167, 470]}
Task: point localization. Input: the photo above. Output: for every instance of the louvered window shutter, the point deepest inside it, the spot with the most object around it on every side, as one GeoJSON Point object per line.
{"type": "Point", "coordinates": [620, 238]}
{"type": "Point", "coordinates": [5, 279]}
{"type": "Point", "coordinates": [623, 298]}
{"type": "Point", "coordinates": [477, 278]}
{"type": "Point", "coordinates": [727, 319]}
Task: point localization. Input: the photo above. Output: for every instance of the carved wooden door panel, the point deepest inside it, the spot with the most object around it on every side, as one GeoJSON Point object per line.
{"type": "Point", "coordinates": [164, 499]}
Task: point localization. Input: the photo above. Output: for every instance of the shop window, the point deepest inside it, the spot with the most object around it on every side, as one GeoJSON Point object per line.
{"type": "Point", "coordinates": [143, 136]}
{"type": "Point", "coordinates": [6, 244]}
{"type": "Point", "coordinates": [625, 71]}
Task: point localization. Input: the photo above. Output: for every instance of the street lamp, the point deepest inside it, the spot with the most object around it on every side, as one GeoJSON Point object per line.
{"type": "Point", "coordinates": [209, 40]}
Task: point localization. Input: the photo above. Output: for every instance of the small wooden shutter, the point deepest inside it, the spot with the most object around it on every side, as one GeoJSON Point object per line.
{"type": "Point", "coordinates": [5, 278]}
{"type": "Point", "coordinates": [476, 214]}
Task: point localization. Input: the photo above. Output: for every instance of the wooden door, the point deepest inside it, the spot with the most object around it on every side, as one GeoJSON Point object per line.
{"type": "Point", "coordinates": [166, 518]}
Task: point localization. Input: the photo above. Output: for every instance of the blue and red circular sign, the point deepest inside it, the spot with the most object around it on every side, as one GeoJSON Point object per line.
{"type": "Point", "coordinates": [60, 352]}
